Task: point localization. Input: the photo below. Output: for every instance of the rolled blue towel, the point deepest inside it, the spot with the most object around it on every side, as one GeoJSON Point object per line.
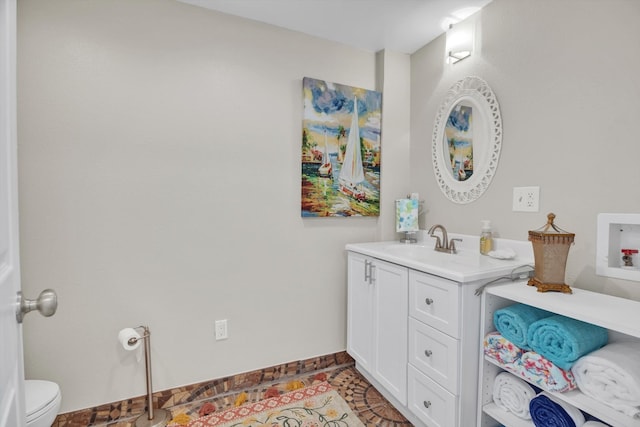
{"type": "Point", "coordinates": [547, 412]}
{"type": "Point", "coordinates": [513, 322]}
{"type": "Point", "coordinates": [564, 340]}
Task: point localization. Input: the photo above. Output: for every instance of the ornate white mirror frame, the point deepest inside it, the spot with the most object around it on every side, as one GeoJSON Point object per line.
{"type": "Point", "coordinates": [467, 138]}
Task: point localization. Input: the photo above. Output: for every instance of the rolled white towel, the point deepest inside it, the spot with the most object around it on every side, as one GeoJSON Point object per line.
{"type": "Point", "coordinates": [513, 394]}
{"type": "Point", "coordinates": [594, 424]}
{"type": "Point", "coordinates": [612, 376]}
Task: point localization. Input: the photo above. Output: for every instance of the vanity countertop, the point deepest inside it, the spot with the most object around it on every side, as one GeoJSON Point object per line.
{"type": "Point", "coordinates": [466, 266]}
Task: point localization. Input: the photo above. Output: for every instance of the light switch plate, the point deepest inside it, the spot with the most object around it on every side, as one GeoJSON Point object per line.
{"type": "Point", "coordinates": [526, 199]}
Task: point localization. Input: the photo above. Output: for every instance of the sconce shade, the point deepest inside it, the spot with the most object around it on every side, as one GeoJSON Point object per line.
{"type": "Point", "coordinates": [460, 39]}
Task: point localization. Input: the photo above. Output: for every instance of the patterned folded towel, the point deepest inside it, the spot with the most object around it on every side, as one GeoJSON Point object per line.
{"type": "Point", "coordinates": [612, 376]}
{"type": "Point", "coordinates": [513, 394]}
{"type": "Point", "coordinates": [547, 411]}
{"type": "Point", "coordinates": [543, 373]}
{"type": "Point", "coordinates": [564, 340]}
{"type": "Point", "coordinates": [501, 349]}
{"type": "Point", "coordinates": [513, 322]}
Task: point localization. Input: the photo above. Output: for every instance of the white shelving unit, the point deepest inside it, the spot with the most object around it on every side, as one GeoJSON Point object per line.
{"type": "Point", "coordinates": [619, 315]}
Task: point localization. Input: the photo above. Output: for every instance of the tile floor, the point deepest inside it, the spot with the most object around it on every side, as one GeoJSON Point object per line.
{"type": "Point", "coordinates": [338, 369]}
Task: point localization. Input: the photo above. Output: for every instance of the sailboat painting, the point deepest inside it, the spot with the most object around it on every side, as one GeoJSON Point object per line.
{"type": "Point", "coordinates": [340, 150]}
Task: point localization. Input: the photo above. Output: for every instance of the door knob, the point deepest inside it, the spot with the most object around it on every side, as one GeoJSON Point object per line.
{"type": "Point", "coordinates": [46, 304]}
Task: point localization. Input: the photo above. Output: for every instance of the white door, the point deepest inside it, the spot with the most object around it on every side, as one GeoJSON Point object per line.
{"type": "Point", "coordinates": [12, 411]}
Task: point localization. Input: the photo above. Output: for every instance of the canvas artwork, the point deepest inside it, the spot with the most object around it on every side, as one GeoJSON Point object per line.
{"type": "Point", "coordinates": [340, 150]}
{"type": "Point", "coordinates": [459, 142]}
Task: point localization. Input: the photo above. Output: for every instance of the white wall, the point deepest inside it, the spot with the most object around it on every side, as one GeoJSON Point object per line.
{"type": "Point", "coordinates": [566, 76]}
{"type": "Point", "coordinates": [159, 173]}
{"type": "Point", "coordinates": [159, 156]}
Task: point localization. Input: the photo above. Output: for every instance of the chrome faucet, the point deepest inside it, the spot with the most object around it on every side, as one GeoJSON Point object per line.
{"type": "Point", "coordinates": [443, 245]}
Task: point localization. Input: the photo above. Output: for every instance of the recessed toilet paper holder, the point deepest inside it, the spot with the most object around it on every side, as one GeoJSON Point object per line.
{"type": "Point", "coordinates": [157, 417]}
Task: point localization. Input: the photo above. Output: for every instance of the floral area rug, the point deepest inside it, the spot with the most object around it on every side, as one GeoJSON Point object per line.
{"type": "Point", "coordinates": [314, 406]}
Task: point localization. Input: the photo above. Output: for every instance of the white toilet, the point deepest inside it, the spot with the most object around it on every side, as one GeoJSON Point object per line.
{"type": "Point", "coordinates": [42, 399]}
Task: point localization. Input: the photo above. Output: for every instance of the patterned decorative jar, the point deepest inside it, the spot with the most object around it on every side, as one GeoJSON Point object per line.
{"type": "Point", "coordinates": [550, 251]}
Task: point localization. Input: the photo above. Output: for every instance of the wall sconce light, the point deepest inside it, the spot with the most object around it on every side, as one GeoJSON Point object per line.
{"type": "Point", "coordinates": [460, 38]}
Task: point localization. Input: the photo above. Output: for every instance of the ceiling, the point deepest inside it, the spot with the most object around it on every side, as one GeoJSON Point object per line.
{"type": "Point", "coordinates": [398, 25]}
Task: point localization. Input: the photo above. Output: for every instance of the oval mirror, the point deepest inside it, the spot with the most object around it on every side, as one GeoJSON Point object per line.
{"type": "Point", "coordinates": [467, 138]}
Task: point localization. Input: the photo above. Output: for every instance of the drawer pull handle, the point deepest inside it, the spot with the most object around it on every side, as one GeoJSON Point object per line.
{"type": "Point", "coordinates": [428, 353]}
{"type": "Point", "coordinates": [427, 404]}
{"type": "Point", "coordinates": [428, 301]}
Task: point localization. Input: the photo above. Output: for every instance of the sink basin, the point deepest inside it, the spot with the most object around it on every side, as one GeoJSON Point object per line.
{"type": "Point", "coordinates": [424, 252]}
{"type": "Point", "coordinates": [465, 265]}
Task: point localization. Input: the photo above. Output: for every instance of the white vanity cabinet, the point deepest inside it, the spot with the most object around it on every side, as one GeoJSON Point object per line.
{"type": "Point", "coordinates": [413, 324]}
{"type": "Point", "coordinates": [377, 321]}
{"type": "Point", "coordinates": [620, 316]}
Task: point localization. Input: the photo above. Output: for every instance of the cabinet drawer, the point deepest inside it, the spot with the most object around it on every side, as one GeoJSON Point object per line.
{"type": "Point", "coordinates": [434, 301]}
{"type": "Point", "coordinates": [434, 354]}
{"type": "Point", "coordinates": [432, 404]}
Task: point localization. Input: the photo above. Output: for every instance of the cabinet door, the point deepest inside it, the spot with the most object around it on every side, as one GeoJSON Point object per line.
{"type": "Point", "coordinates": [391, 293]}
{"type": "Point", "coordinates": [359, 311]}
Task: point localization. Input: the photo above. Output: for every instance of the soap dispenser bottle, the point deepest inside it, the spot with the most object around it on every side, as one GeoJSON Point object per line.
{"type": "Point", "coordinates": [486, 239]}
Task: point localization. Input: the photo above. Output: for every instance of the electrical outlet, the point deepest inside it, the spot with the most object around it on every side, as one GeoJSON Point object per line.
{"type": "Point", "coordinates": [221, 330]}
{"type": "Point", "coordinates": [526, 199]}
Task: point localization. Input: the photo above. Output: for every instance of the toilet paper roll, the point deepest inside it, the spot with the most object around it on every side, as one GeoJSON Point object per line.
{"type": "Point", "coordinates": [125, 335]}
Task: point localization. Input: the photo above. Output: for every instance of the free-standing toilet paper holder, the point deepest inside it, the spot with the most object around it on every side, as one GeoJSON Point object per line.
{"type": "Point", "coordinates": [151, 418]}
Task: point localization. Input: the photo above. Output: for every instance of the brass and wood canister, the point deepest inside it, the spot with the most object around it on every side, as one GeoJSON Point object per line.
{"type": "Point", "coordinates": [550, 251]}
